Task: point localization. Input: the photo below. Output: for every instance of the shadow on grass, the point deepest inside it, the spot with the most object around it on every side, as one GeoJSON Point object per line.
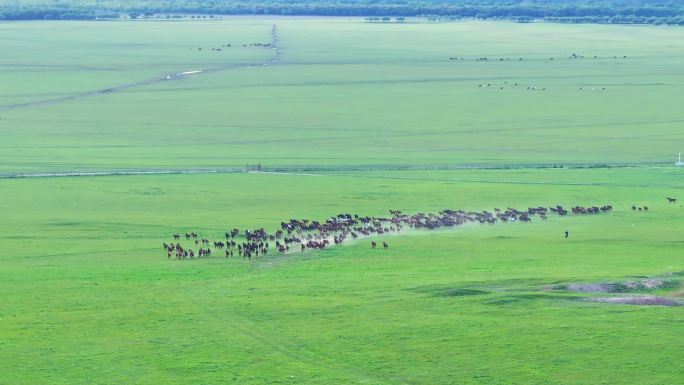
{"type": "Point", "coordinates": [448, 291]}
{"type": "Point", "coordinates": [524, 298]}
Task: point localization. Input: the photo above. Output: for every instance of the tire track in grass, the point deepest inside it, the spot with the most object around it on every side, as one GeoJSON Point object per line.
{"type": "Point", "coordinates": [310, 356]}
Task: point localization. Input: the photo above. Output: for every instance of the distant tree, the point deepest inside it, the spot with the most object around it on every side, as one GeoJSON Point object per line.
{"type": "Point", "coordinates": [562, 11]}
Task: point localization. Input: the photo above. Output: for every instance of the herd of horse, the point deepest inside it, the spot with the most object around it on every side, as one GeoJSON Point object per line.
{"type": "Point", "coordinates": [304, 234]}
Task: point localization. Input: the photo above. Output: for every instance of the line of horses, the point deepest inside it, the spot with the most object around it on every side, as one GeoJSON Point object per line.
{"type": "Point", "coordinates": [304, 234]}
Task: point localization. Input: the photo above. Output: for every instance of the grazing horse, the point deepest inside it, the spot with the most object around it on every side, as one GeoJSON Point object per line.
{"type": "Point", "coordinates": [373, 244]}
{"type": "Point", "coordinates": [671, 200]}
{"type": "Point", "coordinates": [385, 245]}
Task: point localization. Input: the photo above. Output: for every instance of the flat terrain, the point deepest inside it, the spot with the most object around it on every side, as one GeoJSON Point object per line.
{"type": "Point", "coordinates": [361, 118]}
{"type": "Point", "coordinates": [342, 93]}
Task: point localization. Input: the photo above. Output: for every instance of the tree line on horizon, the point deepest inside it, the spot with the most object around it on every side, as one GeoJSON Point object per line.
{"type": "Point", "coordinates": [669, 12]}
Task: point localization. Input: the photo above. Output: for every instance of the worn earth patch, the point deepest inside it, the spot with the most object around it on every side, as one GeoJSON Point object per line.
{"type": "Point", "coordinates": [619, 287]}
{"type": "Point", "coordinates": [647, 284]}
{"type": "Point", "coordinates": [647, 300]}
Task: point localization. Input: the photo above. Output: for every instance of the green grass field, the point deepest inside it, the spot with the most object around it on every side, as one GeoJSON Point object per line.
{"type": "Point", "coordinates": [378, 118]}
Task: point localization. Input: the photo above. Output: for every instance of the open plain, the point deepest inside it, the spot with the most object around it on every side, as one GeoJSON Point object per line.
{"type": "Point", "coordinates": [157, 122]}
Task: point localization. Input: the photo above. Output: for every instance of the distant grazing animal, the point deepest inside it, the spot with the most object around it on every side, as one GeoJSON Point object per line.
{"type": "Point", "coordinates": [385, 245]}
{"type": "Point", "coordinates": [373, 244]}
{"type": "Point", "coordinates": [671, 200]}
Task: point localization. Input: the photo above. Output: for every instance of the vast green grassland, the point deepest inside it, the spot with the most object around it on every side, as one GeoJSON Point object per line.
{"type": "Point", "coordinates": [342, 93]}
{"type": "Point", "coordinates": [378, 118]}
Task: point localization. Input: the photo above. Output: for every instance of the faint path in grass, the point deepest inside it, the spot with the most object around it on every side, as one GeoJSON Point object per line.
{"type": "Point", "coordinates": [301, 352]}
{"type": "Point", "coordinates": [293, 350]}
{"type": "Point", "coordinates": [357, 172]}
{"type": "Point", "coordinates": [114, 173]}
{"type": "Point", "coordinates": [142, 172]}
{"type": "Point", "coordinates": [165, 78]}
